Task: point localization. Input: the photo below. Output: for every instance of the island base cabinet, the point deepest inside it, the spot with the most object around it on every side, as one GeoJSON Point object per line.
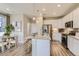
{"type": "Point", "coordinates": [40, 47]}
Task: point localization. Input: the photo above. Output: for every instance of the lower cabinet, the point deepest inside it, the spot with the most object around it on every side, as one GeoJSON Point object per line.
{"type": "Point", "coordinates": [40, 47]}
{"type": "Point", "coordinates": [73, 45]}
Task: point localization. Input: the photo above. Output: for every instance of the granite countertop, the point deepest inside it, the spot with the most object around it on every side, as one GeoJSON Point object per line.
{"type": "Point", "coordinates": [43, 37]}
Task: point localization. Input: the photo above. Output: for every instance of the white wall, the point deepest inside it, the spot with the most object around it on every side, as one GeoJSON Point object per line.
{"type": "Point", "coordinates": [26, 27]}
{"type": "Point", "coordinates": [34, 28]}
{"type": "Point", "coordinates": [22, 32]}
{"type": "Point", "coordinates": [18, 32]}
{"type": "Point", "coordinates": [37, 27]}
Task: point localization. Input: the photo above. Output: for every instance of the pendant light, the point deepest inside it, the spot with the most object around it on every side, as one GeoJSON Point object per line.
{"type": "Point", "coordinates": [33, 18]}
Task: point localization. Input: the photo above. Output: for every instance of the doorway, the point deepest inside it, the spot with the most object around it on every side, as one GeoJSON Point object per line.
{"type": "Point", "coordinates": [47, 28]}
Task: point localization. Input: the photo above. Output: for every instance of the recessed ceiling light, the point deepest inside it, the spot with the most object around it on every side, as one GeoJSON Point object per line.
{"type": "Point", "coordinates": [8, 9]}
{"type": "Point", "coordinates": [34, 18]}
{"type": "Point", "coordinates": [43, 9]}
{"type": "Point", "coordinates": [58, 5]}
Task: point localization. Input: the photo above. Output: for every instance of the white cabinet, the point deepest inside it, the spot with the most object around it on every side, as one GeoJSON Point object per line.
{"type": "Point", "coordinates": [40, 47]}
{"type": "Point", "coordinates": [73, 45]}
{"type": "Point", "coordinates": [76, 18]}
{"type": "Point", "coordinates": [74, 15]}
{"type": "Point", "coordinates": [57, 36]}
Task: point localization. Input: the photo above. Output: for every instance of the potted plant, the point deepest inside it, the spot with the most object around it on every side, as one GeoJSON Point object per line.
{"type": "Point", "coordinates": [8, 30]}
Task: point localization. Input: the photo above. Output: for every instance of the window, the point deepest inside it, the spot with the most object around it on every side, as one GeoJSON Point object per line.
{"type": "Point", "coordinates": [2, 23]}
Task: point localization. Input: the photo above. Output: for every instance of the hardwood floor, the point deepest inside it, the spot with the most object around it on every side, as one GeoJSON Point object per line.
{"type": "Point", "coordinates": [56, 50]}
{"type": "Point", "coordinates": [59, 50]}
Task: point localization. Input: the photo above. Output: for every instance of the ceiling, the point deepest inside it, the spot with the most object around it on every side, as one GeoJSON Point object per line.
{"type": "Point", "coordinates": [36, 9]}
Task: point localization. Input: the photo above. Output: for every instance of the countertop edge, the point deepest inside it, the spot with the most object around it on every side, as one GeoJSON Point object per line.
{"type": "Point", "coordinates": [76, 37]}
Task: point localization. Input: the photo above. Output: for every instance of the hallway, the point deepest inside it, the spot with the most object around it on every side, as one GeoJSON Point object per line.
{"type": "Point", "coordinates": [59, 50]}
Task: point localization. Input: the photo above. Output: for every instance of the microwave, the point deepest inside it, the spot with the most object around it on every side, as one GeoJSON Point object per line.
{"type": "Point", "coordinates": [69, 24]}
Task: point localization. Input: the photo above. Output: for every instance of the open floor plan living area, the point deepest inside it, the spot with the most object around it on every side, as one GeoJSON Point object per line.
{"type": "Point", "coordinates": [39, 29]}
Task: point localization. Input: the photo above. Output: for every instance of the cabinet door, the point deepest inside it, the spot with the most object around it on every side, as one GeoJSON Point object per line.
{"type": "Point", "coordinates": [71, 44]}
{"type": "Point", "coordinates": [34, 47]}
{"type": "Point", "coordinates": [43, 47]}
{"type": "Point", "coordinates": [76, 18]}
{"type": "Point", "coordinates": [76, 47]}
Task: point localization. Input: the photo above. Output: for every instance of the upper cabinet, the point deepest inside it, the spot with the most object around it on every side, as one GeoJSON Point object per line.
{"type": "Point", "coordinates": [66, 18]}
{"type": "Point", "coordinates": [56, 23]}
{"type": "Point", "coordinates": [76, 18]}
{"type": "Point", "coordinates": [72, 16]}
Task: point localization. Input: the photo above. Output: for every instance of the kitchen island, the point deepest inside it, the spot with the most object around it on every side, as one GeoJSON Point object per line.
{"type": "Point", "coordinates": [41, 46]}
